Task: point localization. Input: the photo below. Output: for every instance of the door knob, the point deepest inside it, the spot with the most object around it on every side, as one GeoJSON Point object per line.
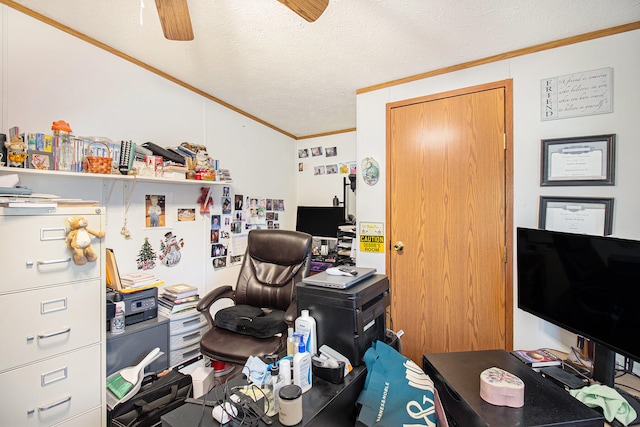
{"type": "Point", "coordinates": [398, 246]}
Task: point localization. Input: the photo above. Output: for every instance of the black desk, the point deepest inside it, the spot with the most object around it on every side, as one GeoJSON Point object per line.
{"type": "Point", "coordinates": [457, 378]}
{"type": "Point", "coordinates": [324, 405]}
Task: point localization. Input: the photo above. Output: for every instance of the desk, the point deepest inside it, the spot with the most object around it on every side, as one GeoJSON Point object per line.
{"type": "Point", "coordinates": [324, 405]}
{"type": "Point", "coordinates": [457, 378]}
{"type": "Point", "coordinates": [137, 340]}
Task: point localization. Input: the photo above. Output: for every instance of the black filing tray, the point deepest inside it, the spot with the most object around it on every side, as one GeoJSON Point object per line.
{"type": "Point", "coordinates": [348, 320]}
{"type": "Point", "coordinates": [457, 378]}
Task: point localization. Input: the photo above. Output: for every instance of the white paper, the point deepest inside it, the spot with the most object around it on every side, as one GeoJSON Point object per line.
{"type": "Point", "coordinates": [580, 164]}
{"type": "Point", "coordinates": [238, 244]}
{"type": "Point", "coordinates": [576, 219]}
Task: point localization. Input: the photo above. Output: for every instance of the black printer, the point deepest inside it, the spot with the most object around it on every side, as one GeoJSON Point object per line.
{"type": "Point", "coordinates": [348, 320]}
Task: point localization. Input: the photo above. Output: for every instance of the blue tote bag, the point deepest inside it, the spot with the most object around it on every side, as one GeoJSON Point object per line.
{"type": "Point", "coordinates": [397, 393]}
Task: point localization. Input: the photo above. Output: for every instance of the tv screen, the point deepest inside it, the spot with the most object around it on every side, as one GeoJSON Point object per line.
{"type": "Point", "coordinates": [320, 221]}
{"type": "Point", "coordinates": [589, 285]}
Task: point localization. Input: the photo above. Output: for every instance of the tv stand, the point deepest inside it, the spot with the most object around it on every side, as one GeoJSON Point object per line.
{"type": "Point", "coordinates": [604, 365]}
{"type": "Point", "coordinates": [456, 376]}
{"type": "Point", "coordinates": [633, 401]}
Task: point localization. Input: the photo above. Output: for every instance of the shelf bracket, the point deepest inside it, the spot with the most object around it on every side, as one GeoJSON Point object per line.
{"type": "Point", "coordinates": [107, 197]}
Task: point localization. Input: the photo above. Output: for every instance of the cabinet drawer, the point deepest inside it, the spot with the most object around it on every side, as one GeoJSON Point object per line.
{"type": "Point", "coordinates": [180, 326]}
{"type": "Point", "coordinates": [53, 390]}
{"type": "Point", "coordinates": [45, 322]}
{"type": "Point", "coordinates": [178, 355]}
{"type": "Point", "coordinates": [186, 338]}
{"type": "Point", "coordinates": [92, 418]}
{"type": "Point", "coordinates": [39, 255]}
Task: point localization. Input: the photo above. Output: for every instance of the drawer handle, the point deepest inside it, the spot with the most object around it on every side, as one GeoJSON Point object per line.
{"type": "Point", "coordinates": [53, 334]}
{"type": "Point", "coordinates": [54, 261]}
{"type": "Point", "coordinates": [191, 336]}
{"type": "Point", "coordinates": [188, 322]}
{"type": "Point", "coordinates": [53, 376]}
{"type": "Point", "coordinates": [53, 305]}
{"type": "Point", "coordinates": [53, 405]}
{"type": "Point", "coordinates": [57, 233]}
{"type": "Point", "coordinates": [190, 353]}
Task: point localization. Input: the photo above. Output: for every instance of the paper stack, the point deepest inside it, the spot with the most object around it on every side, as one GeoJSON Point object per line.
{"type": "Point", "coordinates": [133, 282]}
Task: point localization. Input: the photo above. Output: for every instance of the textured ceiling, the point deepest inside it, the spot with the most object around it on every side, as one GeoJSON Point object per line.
{"type": "Point", "coordinates": [301, 77]}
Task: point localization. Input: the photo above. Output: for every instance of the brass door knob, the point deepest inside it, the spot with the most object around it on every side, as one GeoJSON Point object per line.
{"type": "Point", "coordinates": [398, 246]}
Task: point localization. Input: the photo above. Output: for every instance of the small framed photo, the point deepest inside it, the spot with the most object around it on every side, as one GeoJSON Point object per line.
{"type": "Point", "coordinates": [585, 160]}
{"type": "Point", "coordinates": [576, 215]}
{"type": "Point", "coordinates": [41, 160]}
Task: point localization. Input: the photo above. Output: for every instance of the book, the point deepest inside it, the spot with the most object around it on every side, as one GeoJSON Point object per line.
{"type": "Point", "coordinates": [139, 280]}
{"type": "Point", "coordinates": [130, 290]}
{"type": "Point", "coordinates": [136, 277]}
{"type": "Point", "coordinates": [180, 290]}
{"type": "Point", "coordinates": [537, 358]}
{"type": "Point", "coordinates": [167, 308]}
{"type": "Point", "coordinates": [142, 285]}
{"type": "Point", "coordinates": [172, 300]}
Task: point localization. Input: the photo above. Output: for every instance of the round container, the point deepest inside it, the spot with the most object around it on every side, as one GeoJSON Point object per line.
{"type": "Point", "coordinates": [290, 405]}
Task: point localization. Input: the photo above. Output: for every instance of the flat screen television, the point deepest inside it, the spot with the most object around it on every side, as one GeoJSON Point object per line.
{"type": "Point", "coordinates": [320, 221]}
{"type": "Point", "coordinates": [589, 285]}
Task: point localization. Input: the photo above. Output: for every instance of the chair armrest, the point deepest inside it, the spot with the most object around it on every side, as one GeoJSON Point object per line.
{"type": "Point", "coordinates": [205, 303]}
{"type": "Point", "coordinates": [291, 313]}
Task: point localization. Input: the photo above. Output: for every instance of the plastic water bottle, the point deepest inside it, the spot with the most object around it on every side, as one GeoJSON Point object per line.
{"type": "Point", "coordinates": [117, 323]}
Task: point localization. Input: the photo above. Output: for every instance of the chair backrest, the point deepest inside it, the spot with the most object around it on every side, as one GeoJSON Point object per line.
{"type": "Point", "coordinates": [274, 262]}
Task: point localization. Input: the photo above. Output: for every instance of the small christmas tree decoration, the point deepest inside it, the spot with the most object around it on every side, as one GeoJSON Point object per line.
{"type": "Point", "coordinates": [146, 256]}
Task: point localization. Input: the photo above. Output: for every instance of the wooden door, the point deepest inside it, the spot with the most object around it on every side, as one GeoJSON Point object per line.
{"type": "Point", "coordinates": [448, 184]}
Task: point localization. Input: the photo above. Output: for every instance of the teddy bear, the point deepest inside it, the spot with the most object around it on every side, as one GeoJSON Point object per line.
{"type": "Point", "coordinates": [79, 240]}
{"type": "Point", "coordinates": [205, 200]}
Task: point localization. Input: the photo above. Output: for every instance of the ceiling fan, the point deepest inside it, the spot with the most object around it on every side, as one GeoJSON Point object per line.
{"type": "Point", "coordinates": [176, 22]}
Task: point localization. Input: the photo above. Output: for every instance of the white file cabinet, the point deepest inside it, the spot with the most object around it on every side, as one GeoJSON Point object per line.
{"type": "Point", "coordinates": [52, 368]}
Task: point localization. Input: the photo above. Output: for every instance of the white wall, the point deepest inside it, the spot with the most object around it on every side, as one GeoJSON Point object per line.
{"type": "Point", "coordinates": [48, 75]}
{"type": "Point", "coordinates": [619, 52]}
{"type": "Point", "coordinates": [319, 190]}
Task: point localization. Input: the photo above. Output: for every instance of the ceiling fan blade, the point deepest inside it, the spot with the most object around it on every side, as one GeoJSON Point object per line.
{"type": "Point", "coordinates": [310, 10]}
{"type": "Point", "coordinates": [175, 19]}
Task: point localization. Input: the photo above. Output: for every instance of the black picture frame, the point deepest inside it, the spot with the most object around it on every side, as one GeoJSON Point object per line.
{"type": "Point", "coordinates": [584, 204]}
{"type": "Point", "coordinates": [583, 160]}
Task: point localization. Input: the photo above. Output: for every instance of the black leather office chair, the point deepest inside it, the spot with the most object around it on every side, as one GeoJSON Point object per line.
{"type": "Point", "coordinates": [274, 262]}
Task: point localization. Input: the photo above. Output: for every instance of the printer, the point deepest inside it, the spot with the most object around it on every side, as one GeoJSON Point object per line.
{"type": "Point", "coordinates": [348, 320]}
{"type": "Point", "coordinates": [138, 306]}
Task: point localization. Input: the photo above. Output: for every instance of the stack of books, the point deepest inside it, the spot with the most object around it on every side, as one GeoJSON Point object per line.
{"type": "Point", "coordinates": [178, 299]}
{"type": "Point", "coordinates": [133, 282]}
{"type": "Point", "coordinates": [537, 358]}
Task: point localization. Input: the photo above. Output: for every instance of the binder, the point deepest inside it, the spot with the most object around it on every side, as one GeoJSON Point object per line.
{"type": "Point", "coordinates": [113, 275]}
{"type": "Point", "coordinates": [166, 154]}
{"type": "Point", "coordinates": [127, 153]}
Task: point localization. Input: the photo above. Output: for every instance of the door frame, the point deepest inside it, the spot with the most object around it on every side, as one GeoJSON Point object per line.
{"type": "Point", "coordinates": [507, 85]}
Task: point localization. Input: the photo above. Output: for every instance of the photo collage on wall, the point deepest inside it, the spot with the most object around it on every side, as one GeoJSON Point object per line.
{"type": "Point", "coordinates": [167, 252]}
{"type": "Point", "coordinates": [328, 168]}
{"type": "Point", "coordinates": [240, 214]}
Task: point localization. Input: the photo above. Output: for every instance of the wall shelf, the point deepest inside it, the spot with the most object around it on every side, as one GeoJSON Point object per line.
{"type": "Point", "coordinates": [114, 177]}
